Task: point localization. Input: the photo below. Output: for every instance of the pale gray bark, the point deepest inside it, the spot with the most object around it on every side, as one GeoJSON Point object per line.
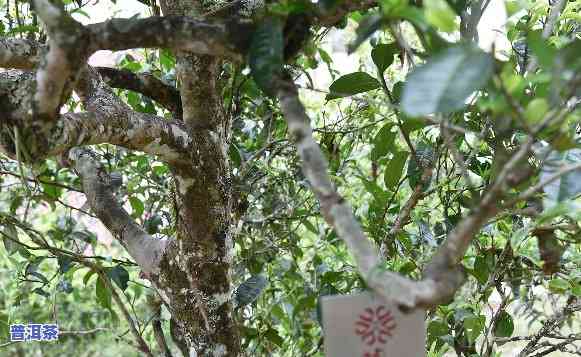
{"type": "Point", "coordinates": [146, 250]}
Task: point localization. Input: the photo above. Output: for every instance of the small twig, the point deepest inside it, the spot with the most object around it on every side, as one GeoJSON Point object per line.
{"type": "Point", "coordinates": [143, 347]}
{"type": "Point", "coordinates": [551, 324]}
{"type": "Point", "coordinates": [84, 332]}
{"type": "Point", "coordinates": [456, 154]}
{"type": "Point", "coordinates": [52, 183]}
{"type": "Point", "coordinates": [532, 190]}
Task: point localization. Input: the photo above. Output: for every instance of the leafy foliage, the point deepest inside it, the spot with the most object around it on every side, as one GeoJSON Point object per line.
{"type": "Point", "coordinates": [444, 83]}
{"type": "Point", "coordinates": [384, 130]}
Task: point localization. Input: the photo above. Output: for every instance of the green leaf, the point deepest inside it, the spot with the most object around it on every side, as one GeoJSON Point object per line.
{"type": "Point", "coordinates": [152, 224]}
{"type": "Point", "coordinates": [413, 124]}
{"type": "Point", "coordinates": [266, 53]}
{"type": "Point", "coordinates": [352, 83]}
{"type": "Point", "coordinates": [10, 239]}
{"type": "Point", "coordinates": [576, 290]}
{"type": "Point", "coordinates": [137, 206]}
{"type": "Point", "coordinates": [88, 276]}
{"type": "Point", "coordinates": [311, 227]}
{"type": "Point", "coordinates": [273, 336]}
{"type": "Point", "coordinates": [543, 51]}
{"type": "Point", "coordinates": [536, 110]}
{"type": "Point", "coordinates": [474, 325]}
{"type": "Point", "coordinates": [518, 238]}
{"type": "Point", "coordinates": [166, 59]}
{"type": "Point", "coordinates": [443, 84]}
{"type": "Point", "coordinates": [440, 14]}
{"type": "Point", "coordinates": [504, 326]}
{"type": "Point", "coordinates": [559, 286]}
{"type": "Point", "coordinates": [481, 269]}
{"type": "Point", "coordinates": [383, 55]}
{"type": "Point", "coordinates": [235, 155]}
{"type": "Point", "coordinates": [394, 169]}
{"type": "Point", "coordinates": [438, 328]}
{"type": "Point", "coordinates": [4, 326]}
{"type": "Point", "coordinates": [325, 56]}
{"type": "Point", "coordinates": [103, 294]}
{"type": "Point", "coordinates": [51, 191]}
{"type": "Point", "coordinates": [373, 188]}
{"type": "Point", "coordinates": [397, 91]}
{"type": "Point", "coordinates": [383, 143]}
{"type": "Point", "coordinates": [393, 8]}
{"type": "Point", "coordinates": [41, 292]}
{"type": "Point", "coordinates": [15, 203]}
{"type": "Point", "coordinates": [120, 276]}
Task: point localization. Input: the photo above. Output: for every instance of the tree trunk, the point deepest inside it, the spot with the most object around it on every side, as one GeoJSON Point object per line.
{"type": "Point", "coordinates": [195, 273]}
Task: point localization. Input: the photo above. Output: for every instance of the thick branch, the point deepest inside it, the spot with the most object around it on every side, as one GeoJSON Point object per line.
{"type": "Point", "coordinates": [67, 52]}
{"type": "Point", "coordinates": [338, 214]}
{"type": "Point", "coordinates": [146, 84]}
{"type": "Point", "coordinates": [108, 120]}
{"type": "Point", "coordinates": [114, 121]}
{"type": "Point", "coordinates": [24, 54]}
{"type": "Point", "coordinates": [229, 39]}
{"type": "Point", "coordinates": [70, 45]}
{"type": "Point", "coordinates": [135, 131]}
{"type": "Point", "coordinates": [453, 249]}
{"type": "Point", "coordinates": [19, 53]}
{"type": "Point", "coordinates": [146, 250]}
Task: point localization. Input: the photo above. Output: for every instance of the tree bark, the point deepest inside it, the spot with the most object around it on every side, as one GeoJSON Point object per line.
{"type": "Point", "coordinates": [197, 269]}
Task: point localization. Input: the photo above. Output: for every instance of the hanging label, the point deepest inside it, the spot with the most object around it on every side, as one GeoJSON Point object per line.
{"type": "Point", "coordinates": [364, 325]}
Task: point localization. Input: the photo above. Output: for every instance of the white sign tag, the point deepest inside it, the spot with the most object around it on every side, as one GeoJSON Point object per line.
{"type": "Point", "coordinates": [364, 325]}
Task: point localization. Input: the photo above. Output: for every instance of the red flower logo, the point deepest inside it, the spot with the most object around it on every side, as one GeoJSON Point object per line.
{"type": "Point", "coordinates": [375, 325]}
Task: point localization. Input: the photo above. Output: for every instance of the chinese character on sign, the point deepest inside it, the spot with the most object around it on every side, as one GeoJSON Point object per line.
{"type": "Point", "coordinates": [366, 325]}
{"type": "Point", "coordinates": [17, 333]}
{"type": "Point", "coordinates": [375, 325]}
{"type": "Point", "coordinates": [34, 332]}
{"type": "Point", "coordinates": [50, 332]}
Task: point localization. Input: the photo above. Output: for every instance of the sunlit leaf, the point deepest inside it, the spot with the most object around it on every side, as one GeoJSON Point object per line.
{"type": "Point", "coordinates": [559, 286]}
{"type": "Point", "coordinates": [504, 326]}
{"type": "Point", "coordinates": [440, 14]}
{"type": "Point", "coordinates": [394, 169]}
{"type": "Point", "coordinates": [383, 55]}
{"type": "Point", "coordinates": [445, 82]}
{"type": "Point", "coordinates": [102, 293]}
{"type": "Point", "coordinates": [350, 84]}
{"type": "Point", "coordinates": [383, 143]}
{"type": "Point", "coordinates": [137, 206]}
